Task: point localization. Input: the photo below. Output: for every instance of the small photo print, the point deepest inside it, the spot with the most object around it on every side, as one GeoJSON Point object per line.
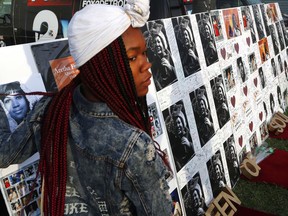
{"type": "Point", "coordinates": [12, 194]}
{"type": "Point", "coordinates": [280, 35]}
{"type": "Point", "coordinates": [232, 160]}
{"type": "Point", "coordinates": [229, 77]}
{"type": "Point", "coordinates": [33, 209]}
{"type": "Point", "coordinates": [248, 22]}
{"type": "Point", "coordinates": [202, 114]}
{"type": "Point", "coordinates": [258, 21]}
{"type": "Point", "coordinates": [264, 50]}
{"type": "Point", "coordinates": [264, 131]}
{"type": "Point", "coordinates": [186, 45]}
{"type": "Point", "coordinates": [220, 100]}
{"type": "Point", "coordinates": [156, 126]}
{"type": "Point", "coordinates": [176, 210]}
{"type": "Point", "coordinates": [262, 77]}
{"type": "Point", "coordinates": [216, 173]}
{"type": "Point", "coordinates": [274, 68]}
{"type": "Point", "coordinates": [275, 41]}
{"type": "Point", "coordinates": [179, 134]}
{"type": "Point", "coordinates": [159, 54]}
{"type": "Point", "coordinates": [242, 69]}
{"type": "Point", "coordinates": [17, 177]}
{"type": "Point", "coordinates": [252, 62]}
{"type": "Point", "coordinates": [253, 142]}
{"type": "Point", "coordinates": [193, 197]}
{"type": "Point", "coordinates": [207, 38]}
{"type": "Point", "coordinates": [217, 27]}
{"type": "Point", "coordinates": [232, 23]}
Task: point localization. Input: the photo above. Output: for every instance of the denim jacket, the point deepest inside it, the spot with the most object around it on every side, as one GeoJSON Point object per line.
{"type": "Point", "coordinates": [113, 167]}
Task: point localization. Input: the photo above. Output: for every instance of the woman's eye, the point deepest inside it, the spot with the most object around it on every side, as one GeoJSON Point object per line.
{"type": "Point", "coordinates": [132, 58]}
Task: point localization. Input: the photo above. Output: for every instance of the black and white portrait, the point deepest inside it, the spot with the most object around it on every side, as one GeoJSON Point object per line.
{"type": "Point", "coordinates": [274, 39]}
{"type": "Point", "coordinates": [272, 103]}
{"type": "Point", "coordinates": [241, 68]}
{"type": "Point", "coordinates": [193, 197]}
{"type": "Point", "coordinates": [186, 45]}
{"type": "Point", "coordinates": [220, 100]}
{"type": "Point", "coordinates": [232, 160]}
{"type": "Point", "coordinates": [265, 19]}
{"type": "Point", "coordinates": [280, 64]}
{"type": "Point", "coordinates": [258, 21]}
{"type": "Point", "coordinates": [280, 35]}
{"type": "Point", "coordinates": [262, 77]}
{"type": "Point", "coordinates": [274, 67]}
{"type": "Point", "coordinates": [159, 54]}
{"type": "Point", "coordinates": [202, 113]}
{"type": "Point", "coordinates": [216, 173]}
{"type": "Point", "coordinates": [253, 142]}
{"type": "Point", "coordinates": [179, 134]}
{"type": "Point", "coordinates": [229, 77]}
{"type": "Point", "coordinates": [252, 62]}
{"type": "Point", "coordinates": [207, 38]}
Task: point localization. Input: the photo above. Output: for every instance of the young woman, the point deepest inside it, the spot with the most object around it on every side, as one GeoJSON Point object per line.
{"type": "Point", "coordinates": [97, 156]}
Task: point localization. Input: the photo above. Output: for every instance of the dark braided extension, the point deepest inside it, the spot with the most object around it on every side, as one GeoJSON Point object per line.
{"type": "Point", "coordinates": [53, 155]}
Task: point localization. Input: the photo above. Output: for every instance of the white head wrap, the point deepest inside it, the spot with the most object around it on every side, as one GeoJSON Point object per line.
{"type": "Point", "coordinates": [97, 25]}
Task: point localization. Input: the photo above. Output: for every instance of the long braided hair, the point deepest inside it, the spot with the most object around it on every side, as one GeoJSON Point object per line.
{"type": "Point", "coordinates": [109, 78]}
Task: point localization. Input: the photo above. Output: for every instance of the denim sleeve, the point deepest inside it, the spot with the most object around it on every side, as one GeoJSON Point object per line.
{"type": "Point", "coordinates": [18, 146]}
{"type": "Point", "coordinates": [144, 182]}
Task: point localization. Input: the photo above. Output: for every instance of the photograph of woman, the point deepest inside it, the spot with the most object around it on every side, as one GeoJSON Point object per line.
{"type": "Point", "coordinates": [159, 55]}
{"type": "Point", "coordinates": [186, 45]}
{"type": "Point", "coordinates": [15, 103]}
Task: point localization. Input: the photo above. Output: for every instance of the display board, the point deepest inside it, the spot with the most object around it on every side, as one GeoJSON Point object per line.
{"type": "Point", "coordinates": [218, 77]}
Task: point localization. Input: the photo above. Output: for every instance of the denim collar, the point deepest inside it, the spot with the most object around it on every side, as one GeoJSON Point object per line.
{"type": "Point", "coordinates": [92, 108]}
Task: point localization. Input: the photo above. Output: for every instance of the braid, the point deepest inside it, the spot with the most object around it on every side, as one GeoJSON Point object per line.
{"type": "Point", "coordinates": [53, 154]}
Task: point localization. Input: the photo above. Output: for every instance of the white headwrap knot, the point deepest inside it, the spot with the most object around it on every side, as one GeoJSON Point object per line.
{"type": "Point", "coordinates": [97, 25]}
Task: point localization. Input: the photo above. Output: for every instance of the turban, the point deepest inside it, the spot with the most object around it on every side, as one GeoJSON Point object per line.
{"type": "Point", "coordinates": [97, 25]}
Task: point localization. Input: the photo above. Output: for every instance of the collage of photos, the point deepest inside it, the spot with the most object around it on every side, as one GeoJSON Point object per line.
{"type": "Point", "coordinates": [22, 190]}
{"type": "Point", "coordinates": [206, 68]}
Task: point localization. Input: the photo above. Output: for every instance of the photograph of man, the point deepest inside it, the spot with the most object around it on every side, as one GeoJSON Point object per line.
{"type": "Point", "coordinates": [32, 209]}
{"type": "Point", "coordinates": [202, 113]}
{"type": "Point", "coordinates": [274, 39]}
{"type": "Point", "coordinates": [241, 69]}
{"type": "Point", "coordinates": [193, 197]}
{"type": "Point", "coordinates": [262, 77]}
{"type": "Point", "coordinates": [216, 173]}
{"type": "Point", "coordinates": [247, 18]}
{"type": "Point", "coordinates": [186, 45]}
{"type": "Point", "coordinates": [232, 160]}
{"type": "Point", "coordinates": [272, 103]}
{"type": "Point", "coordinates": [159, 55]}
{"type": "Point", "coordinates": [14, 102]}
{"type": "Point", "coordinates": [258, 21]}
{"type": "Point", "coordinates": [179, 134]}
{"type": "Point", "coordinates": [207, 38]}
{"type": "Point", "coordinates": [280, 36]}
{"type": "Point", "coordinates": [274, 67]}
{"type": "Point", "coordinates": [220, 100]}
{"type": "Point", "coordinates": [229, 78]}
{"type": "Point", "coordinates": [12, 195]}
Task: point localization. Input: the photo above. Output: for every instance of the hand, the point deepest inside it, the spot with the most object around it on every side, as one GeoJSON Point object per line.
{"type": "Point", "coordinates": [166, 63]}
